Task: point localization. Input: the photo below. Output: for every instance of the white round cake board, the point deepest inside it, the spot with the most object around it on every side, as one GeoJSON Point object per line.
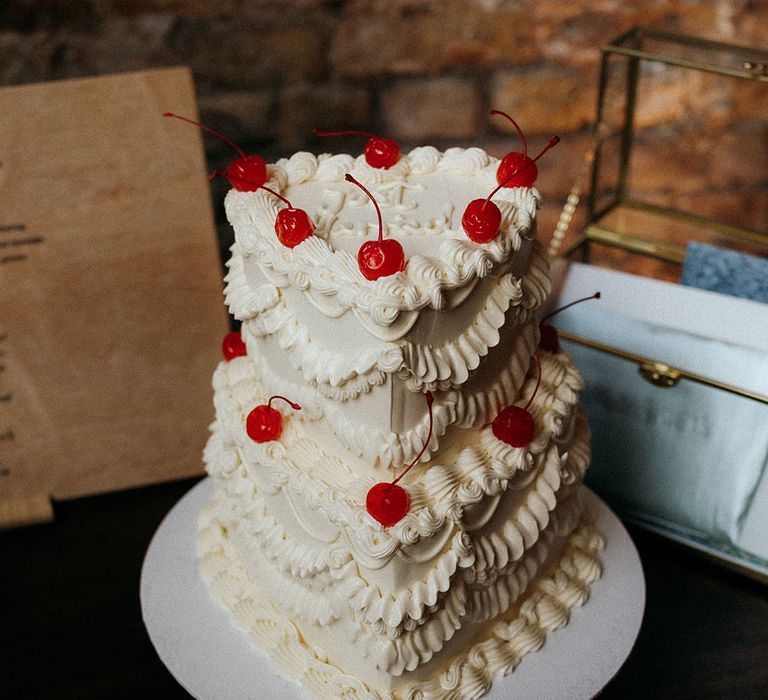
{"type": "Point", "coordinates": [212, 659]}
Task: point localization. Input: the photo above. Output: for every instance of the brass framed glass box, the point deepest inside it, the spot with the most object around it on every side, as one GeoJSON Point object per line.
{"type": "Point", "coordinates": [677, 378]}
{"type": "Point", "coordinates": [701, 103]}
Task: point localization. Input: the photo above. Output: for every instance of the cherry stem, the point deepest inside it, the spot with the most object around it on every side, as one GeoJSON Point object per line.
{"type": "Point", "coordinates": [293, 405]}
{"type": "Point", "coordinates": [538, 382]}
{"type": "Point", "coordinates": [351, 179]}
{"type": "Point", "coordinates": [430, 399]}
{"type": "Point", "coordinates": [216, 173]}
{"type": "Point", "coordinates": [596, 295]}
{"type": "Point", "coordinates": [321, 132]}
{"type": "Point", "coordinates": [209, 130]}
{"type": "Point", "coordinates": [519, 130]}
{"type": "Point", "coordinates": [552, 143]}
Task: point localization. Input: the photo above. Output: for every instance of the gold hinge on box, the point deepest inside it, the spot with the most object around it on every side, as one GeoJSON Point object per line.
{"type": "Point", "coordinates": [26, 510]}
{"type": "Point", "coordinates": [659, 373]}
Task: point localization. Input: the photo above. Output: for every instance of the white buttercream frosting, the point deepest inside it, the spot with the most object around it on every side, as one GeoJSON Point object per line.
{"type": "Point", "coordinates": [495, 547]}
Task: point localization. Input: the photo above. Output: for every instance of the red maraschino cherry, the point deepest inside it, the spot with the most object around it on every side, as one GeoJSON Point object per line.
{"type": "Point", "coordinates": [379, 152]}
{"type": "Point", "coordinates": [265, 423]}
{"type": "Point", "coordinates": [516, 169]}
{"type": "Point", "coordinates": [548, 338]}
{"type": "Point", "coordinates": [482, 218]}
{"type": "Point", "coordinates": [514, 424]}
{"type": "Point", "coordinates": [386, 501]}
{"type": "Point", "coordinates": [245, 174]}
{"type": "Point", "coordinates": [292, 225]}
{"type": "Point", "coordinates": [233, 346]}
{"type": "Point", "coordinates": [378, 258]}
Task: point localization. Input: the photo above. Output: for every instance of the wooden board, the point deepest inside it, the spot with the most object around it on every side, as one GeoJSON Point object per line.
{"type": "Point", "coordinates": [111, 312]}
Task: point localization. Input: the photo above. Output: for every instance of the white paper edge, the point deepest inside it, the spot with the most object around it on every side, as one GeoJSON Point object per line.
{"type": "Point", "coordinates": [682, 308]}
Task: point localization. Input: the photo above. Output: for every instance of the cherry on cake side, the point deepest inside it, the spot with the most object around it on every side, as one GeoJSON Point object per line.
{"type": "Point", "coordinates": [548, 338]}
{"type": "Point", "coordinates": [514, 424]}
{"type": "Point", "coordinates": [482, 218]}
{"type": "Point", "coordinates": [386, 501]}
{"type": "Point", "coordinates": [245, 174]}
{"type": "Point", "coordinates": [379, 152]}
{"type": "Point", "coordinates": [378, 258]}
{"type": "Point", "coordinates": [232, 346]}
{"type": "Point", "coordinates": [265, 423]}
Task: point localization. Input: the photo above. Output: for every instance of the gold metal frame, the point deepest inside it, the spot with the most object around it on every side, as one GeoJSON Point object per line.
{"type": "Point", "coordinates": [748, 64]}
{"type": "Point", "coordinates": [740, 63]}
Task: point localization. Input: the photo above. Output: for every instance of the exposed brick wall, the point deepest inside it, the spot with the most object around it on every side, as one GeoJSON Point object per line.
{"type": "Point", "coordinates": [423, 71]}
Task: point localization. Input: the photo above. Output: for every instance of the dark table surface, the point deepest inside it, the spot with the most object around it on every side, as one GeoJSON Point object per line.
{"type": "Point", "coordinates": [72, 628]}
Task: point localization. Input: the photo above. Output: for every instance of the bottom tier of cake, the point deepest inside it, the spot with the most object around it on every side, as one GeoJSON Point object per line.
{"type": "Point", "coordinates": [464, 669]}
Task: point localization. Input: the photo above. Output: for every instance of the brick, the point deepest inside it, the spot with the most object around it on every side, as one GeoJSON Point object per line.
{"type": "Point", "coordinates": [33, 15]}
{"type": "Point", "coordinates": [245, 117]}
{"type": "Point", "coordinates": [736, 206]}
{"type": "Point", "coordinates": [547, 100]}
{"type": "Point", "coordinates": [179, 8]}
{"type": "Point", "coordinates": [478, 38]}
{"type": "Point", "coordinates": [749, 22]}
{"type": "Point", "coordinates": [688, 159]}
{"type": "Point", "coordinates": [120, 45]}
{"type": "Point", "coordinates": [25, 58]}
{"type": "Point", "coordinates": [334, 106]}
{"type": "Point", "coordinates": [676, 94]}
{"type": "Point", "coordinates": [368, 45]}
{"type": "Point", "coordinates": [273, 12]}
{"type": "Point", "coordinates": [241, 53]}
{"type": "Point", "coordinates": [419, 110]}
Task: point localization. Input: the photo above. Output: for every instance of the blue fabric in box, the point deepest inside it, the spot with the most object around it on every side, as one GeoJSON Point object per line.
{"type": "Point", "coordinates": [726, 272]}
{"type": "Point", "coordinates": [689, 457]}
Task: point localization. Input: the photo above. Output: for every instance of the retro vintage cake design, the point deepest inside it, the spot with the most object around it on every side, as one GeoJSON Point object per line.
{"type": "Point", "coordinates": [490, 548]}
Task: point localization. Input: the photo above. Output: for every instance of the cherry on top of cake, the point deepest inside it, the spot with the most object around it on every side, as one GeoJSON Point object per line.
{"type": "Point", "coordinates": [482, 218]}
{"type": "Point", "coordinates": [424, 191]}
{"type": "Point", "coordinates": [517, 169]}
{"type": "Point", "coordinates": [246, 173]}
{"type": "Point", "coordinates": [379, 152]}
{"type": "Point", "coordinates": [378, 258]}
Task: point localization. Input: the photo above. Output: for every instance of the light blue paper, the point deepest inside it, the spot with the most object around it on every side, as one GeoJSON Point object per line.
{"type": "Point", "coordinates": [725, 271]}
{"type": "Point", "coordinates": [688, 458]}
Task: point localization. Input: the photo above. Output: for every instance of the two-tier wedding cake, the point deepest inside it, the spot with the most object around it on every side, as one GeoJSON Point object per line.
{"type": "Point", "coordinates": [433, 594]}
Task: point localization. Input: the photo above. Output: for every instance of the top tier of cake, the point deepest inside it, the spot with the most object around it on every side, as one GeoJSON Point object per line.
{"type": "Point", "coordinates": [422, 199]}
{"type": "Point", "coordinates": [391, 339]}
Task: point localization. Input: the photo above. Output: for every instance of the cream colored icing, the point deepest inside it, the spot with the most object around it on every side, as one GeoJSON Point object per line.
{"type": "Point", "coordinates": [329, 273]}
{"type": "Point", "coordinates": [495, 549]}
{"type": "Point", "coordinates": [483, 476]}
{"type": "Point", "coordinates": [469, 674]}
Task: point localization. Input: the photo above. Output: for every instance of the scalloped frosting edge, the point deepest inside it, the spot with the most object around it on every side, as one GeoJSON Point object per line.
{"type": "Point", "coordinates": [546, 607]}
{"type": "Point", "coordinates": [334, 274]}
{"type": "Point", "coordinates": [483, 469]}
